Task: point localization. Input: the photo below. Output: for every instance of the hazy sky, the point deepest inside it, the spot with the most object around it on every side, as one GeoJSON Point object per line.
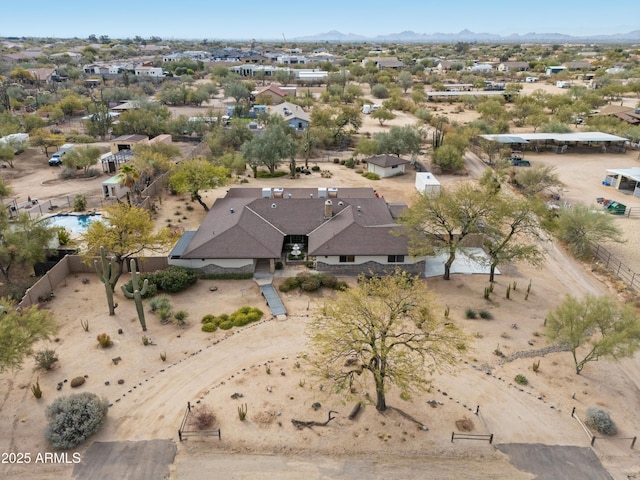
{"type": "Point", "coordinates": [270, 19]}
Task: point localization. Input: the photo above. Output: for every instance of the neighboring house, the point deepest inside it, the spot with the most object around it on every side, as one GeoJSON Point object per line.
{"type": "Point", "coordinates": [386, 165]}
{"type": "Point", "coordinates": [346, 231]}
{"type": "Point", "coordinates": [149, 72]}
{"type": "Point", "coordinates": [578, 66]}
{"type": "Point", "coordinates": [271, 95]}
{"type": "Point", "coordinates": [295, 116]}
{"type": "Point", "coordinates": [127, 142]}
{"type": "Point", "coordinates": [292, 59]}
{"type": "Point", "coordinates": [43, 75]}
{"type": "Point", "coordinates": [513, 67]}
{"type": "Point", "coordinates": [384, 62]}
{"type": "Point", "coordinates": [554, 69]}
{"type": "Point", "coordinates": [628, 114]}
{"type": "Point", "coordinates": [446, 65]}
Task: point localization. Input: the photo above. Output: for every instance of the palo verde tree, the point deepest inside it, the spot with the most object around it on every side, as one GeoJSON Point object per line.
{"type": "Point", "coordinates": [20, 330]}
{"type": "Point", "coordinates": [442, 223]}
{"type": "Point", "coordinates": [581, 226]}
{"type": "Point", "coordinates": [124, 231]}
{"type": "Point", "coordinates": [384, 328]}
{"type": "Point", "coordinates": [192, 176]}
{"type": "Point", "coordinates": [399, 141]}
{"type": "Point", "coordinates": [594, 328]}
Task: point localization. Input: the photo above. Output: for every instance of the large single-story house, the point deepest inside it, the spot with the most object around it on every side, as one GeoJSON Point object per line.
{"type": "Point", "coordinates": [346, 231]}
{"type": "Point", "coordinates": [384, 62]}
{"type": "Point", "coordinates": [386, 165]}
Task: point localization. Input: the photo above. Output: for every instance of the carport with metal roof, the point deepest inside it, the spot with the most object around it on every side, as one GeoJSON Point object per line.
{"type": "Point", "coordinates": [595, 142]}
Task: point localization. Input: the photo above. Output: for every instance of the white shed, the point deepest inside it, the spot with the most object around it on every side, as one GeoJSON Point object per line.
{"type": "Point", "coordinates": [428, 184]}
{"type": "Point", "coordinates": [112, 188]}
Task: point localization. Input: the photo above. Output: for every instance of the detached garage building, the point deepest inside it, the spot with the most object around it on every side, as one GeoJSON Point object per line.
{"type": "Point", "coordinates": [386, 165]}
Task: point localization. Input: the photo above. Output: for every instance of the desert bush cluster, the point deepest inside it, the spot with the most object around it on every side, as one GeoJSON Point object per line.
{"type": "Point", "coordinates": [172, 280]}
{"type": "Point", "coordinates": [241, 317]}
{"type": "Point", "coordinates": [72, 419]}
{"type": "Point", "coordinates": [600, 421]}
{"type": "Point", "coordinates": [310, 282]}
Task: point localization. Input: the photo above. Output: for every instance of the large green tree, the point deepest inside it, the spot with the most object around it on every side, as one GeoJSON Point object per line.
{"type": "Point", "coordinates": [82, 157]}
{"type": "Point", "coordinates": [383, 328]}
{"type": "Point", "coordinates": [23, 242]}
{"type": "Point", "coordinates": [594, 328]}
{"type": "Point", "coordinates": [125, 232]}
{"type": "Point", "coordinates": [20, 329]}
{"type": "Point", "coordinates": [269, 148]}
{"type": "Point", "coordinates": [512, 232]}
{"type": "Point", "coordinates": [443, 223]}
{"type": "Point", "coordinates": [399, 140]}
{"type": "Point", "coordinates": [192, 176]}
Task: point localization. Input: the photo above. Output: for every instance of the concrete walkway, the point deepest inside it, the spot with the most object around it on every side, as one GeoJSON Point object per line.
{"type": "Point", "coordinates": [270, 294]}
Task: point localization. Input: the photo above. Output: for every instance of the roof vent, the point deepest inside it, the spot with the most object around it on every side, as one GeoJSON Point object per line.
{"type": "Point", "coordinates": [273, 205]}
{"type": "Point", "coordinates": [340, 204]}
{"type": "Point", "coordinates": [289, 195]}
{"type": "Point", "coordinates": [311, 195]}
{"type": "Point", "coordinates": [359, 208]}
{"type": "Point", "coordinates": [231, 210]}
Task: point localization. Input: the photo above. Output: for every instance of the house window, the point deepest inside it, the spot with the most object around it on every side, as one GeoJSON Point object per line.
{"type": "Point", "coordinates": [394, 166]}
{"type": "Point", "coordinates": [395, 259]}
{"type": "Point", "coordinates": [347, 259]}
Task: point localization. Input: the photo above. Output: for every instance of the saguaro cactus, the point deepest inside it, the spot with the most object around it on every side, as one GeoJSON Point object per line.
{"type": "Point", "coordinates": [107, 275]}
{"type": "Point", "coordinates": [137, 293]}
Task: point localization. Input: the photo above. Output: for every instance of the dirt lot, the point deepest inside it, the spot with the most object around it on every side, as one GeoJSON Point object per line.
{"type": "Point", "coordinates": [208, 368]}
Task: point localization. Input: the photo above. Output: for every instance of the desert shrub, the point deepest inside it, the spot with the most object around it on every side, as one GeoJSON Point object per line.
{"type": "Point", "coordinates": [76, 382]}
{"type": "Point", "coordinates": [371, 176]}
{"type": "Point", "coordinates": [209, 327]}
{"type": "Point", "coordinates": [311, 283]}
{"type": "Point", "coordinates": [160, 302]}
{"type": "Point", "coordinates": [336, 160]}
{"type": "Point", "coordinates": [68, 173]}
{"type": "Point", "coordinates": [104, 340]}
{"type": "Point", "coordinates": [341, 286]}
{"type": "Point", "coordinates": [79, 203]}
{"type": "Point", "coordinates": [240, 320]}
{"type": "Point", "coordinates": [181, 316]}
{"type": "Point", "coordinates": [521, 379]}
{"type": "Point", "coordinates": [600, 421]}
{"type": "Point", "coordinates": [45, 359]}
{"type": "Point", "coordinates": [379, 91]}
{"type": "Point", "coordinates": [276, 174]}
{"type": "Point", "coordinates": [64, 237]}
{"type": "Point", "coordinates": [92, 173]}
{"type": "Point", "coordinates": [208, 318]}
{"type": "Point", "coordinates": [279, 265]}
{"type": "Point", "coordinates": [289, 284]}
{"type": "Point", "coordinates": [486, 315]}
{"type": "Point", "coordinates": [351, 163]}
{"type": "Point", "coordinates": [470, 313]}
{"type": "Point", "coordinates": [202, 417]}
{"type": "Point", "coordinates": [226, 325]}
{"type": "Point", "coordinates": [174, 279]}
{"type": "Point", "coordinates": [151, 291]}
{"type": "Point", "coordinates": [72, 419]}
{"type": "Point", "coordinates": [315, 168]}
{"type": "Point", "coordinates": [359, 171]}
{"type": "Point", "coordinates": [329, 281]}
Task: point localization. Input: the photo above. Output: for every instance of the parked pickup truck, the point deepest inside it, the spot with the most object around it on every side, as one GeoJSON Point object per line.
{"type": "Point", "coordinates": [56, 158]}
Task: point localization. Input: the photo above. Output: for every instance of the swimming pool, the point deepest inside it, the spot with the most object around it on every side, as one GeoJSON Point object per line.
{"type": "Point", "coordinates": [76, 223]}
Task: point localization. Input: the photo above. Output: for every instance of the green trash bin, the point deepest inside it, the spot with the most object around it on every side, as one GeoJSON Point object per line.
{"type": "Point", "coordinates": [616, 208]}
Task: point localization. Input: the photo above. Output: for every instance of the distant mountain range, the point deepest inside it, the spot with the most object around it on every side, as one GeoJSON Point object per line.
{"type": "Point", "coordinates": [468, 36]}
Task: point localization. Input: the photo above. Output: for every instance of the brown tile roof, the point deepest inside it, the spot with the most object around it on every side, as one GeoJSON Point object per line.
{"type": "Point", "coordinates": [245, 225]}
